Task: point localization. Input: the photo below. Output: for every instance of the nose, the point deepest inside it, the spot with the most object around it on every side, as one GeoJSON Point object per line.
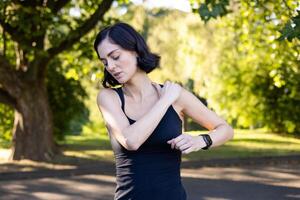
{"type": "Point", "coordinates": [110, 65]}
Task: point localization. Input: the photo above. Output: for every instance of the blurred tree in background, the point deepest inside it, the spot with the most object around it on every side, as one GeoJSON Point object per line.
{"type": "Point", "coordinates": [66, 101]}
{"type": "Point", "coordinates": [33, 34]}
{"type": "Point", "coordinates": [240, 63]}
{"type": "Point", "coordinates": [258, 70]}
{"type": "Point", "coordinates": [184, 44]}
{"type": "Point", "coordinates": [66, 98]}
{"type": "Point", "coordinates": [287, 10]}
{"type": "Point", "coordinates": [244, 66]}
{"type": "Point", "coordinates": [232, 60]}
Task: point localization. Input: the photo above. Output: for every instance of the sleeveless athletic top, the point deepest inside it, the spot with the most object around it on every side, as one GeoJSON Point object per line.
{"type": "Point", "coordinates": [153, 171]}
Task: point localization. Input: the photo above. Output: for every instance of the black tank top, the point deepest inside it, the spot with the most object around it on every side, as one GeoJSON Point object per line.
{"type": "Point", "coordinates": [153, 171]}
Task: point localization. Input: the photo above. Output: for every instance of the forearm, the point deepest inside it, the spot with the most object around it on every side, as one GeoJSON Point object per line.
{"type": "Point", "coordinates": [137, 133]}
{"type": "Point", "coordinates": [188, 143]}
{"type": "Point", "coordinates": [220, 135]}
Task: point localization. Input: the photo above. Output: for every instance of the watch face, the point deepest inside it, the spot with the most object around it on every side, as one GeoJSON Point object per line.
{"type": "Point", "coordinates": [207, 140]}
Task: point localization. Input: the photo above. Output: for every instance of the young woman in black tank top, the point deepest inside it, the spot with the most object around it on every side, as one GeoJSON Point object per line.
{"type": "Point", "coordinates": [144, 118]}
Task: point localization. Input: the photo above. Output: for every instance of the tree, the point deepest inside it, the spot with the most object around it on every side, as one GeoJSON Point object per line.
{"type": "Point", "coordinates": [66, 99]}
{"type": "Point", "coordinates": [258, 70]}
{"type": "Point", "coordinates": [33, 33]}
{"type": "Point", "coordinates": [209, 9]}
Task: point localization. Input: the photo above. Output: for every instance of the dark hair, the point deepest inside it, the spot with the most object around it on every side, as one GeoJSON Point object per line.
{"type": "Point", "coordinates": [125, 36]}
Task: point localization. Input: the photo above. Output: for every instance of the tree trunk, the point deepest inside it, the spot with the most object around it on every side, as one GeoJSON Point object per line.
{"type": "Point", "coordinates": [33, 125]}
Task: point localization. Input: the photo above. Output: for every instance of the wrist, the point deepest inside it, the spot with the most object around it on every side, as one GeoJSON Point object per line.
{"type": "Point", "coordinates": [200, 142]}
{"type": "Point", "coordinates": [165, 101]}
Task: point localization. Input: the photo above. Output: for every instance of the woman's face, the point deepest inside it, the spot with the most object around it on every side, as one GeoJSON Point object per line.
{"type": "Point", "coordinates": [120, 63]}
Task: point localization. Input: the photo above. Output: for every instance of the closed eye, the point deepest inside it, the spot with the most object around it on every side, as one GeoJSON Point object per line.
{"type": "Point", "coordinates": [116, 58]}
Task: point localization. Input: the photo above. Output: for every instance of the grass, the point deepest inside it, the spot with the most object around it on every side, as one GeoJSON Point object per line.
{"type": "Point", "coordinates": [88, 146]}
{"type": "Point", "coordinates": [246, 143]}
{"type": "Point", "coordinates": [250, 143]}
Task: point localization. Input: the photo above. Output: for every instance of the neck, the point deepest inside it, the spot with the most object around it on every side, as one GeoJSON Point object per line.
{"type": "Point", "coordinates": [139, 87]}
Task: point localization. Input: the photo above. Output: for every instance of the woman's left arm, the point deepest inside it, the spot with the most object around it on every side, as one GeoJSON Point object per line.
{"type": "Point", "coordinates": [219, 131]}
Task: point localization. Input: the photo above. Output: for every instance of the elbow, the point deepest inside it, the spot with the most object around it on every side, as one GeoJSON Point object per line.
{"type": "Point", "coordinates": [230, 132]}
{"type": "Point", "coordinates": [131, 145]}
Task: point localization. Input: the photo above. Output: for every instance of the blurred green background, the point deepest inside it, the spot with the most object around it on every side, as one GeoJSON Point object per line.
{"type": "Point", "coordinates": [240, 58]}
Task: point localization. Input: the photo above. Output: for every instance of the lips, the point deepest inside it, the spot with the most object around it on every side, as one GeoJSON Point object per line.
{"type": "Point", "coordinates": [117, 74]}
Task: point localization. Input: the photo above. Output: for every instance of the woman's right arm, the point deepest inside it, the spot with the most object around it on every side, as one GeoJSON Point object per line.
{"type": "Point", "coordinates": [133, 136]}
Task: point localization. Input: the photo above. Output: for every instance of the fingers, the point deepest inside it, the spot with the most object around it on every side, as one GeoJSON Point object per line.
{"type": "Point", "coordinates": [165, 86]}
{"type": "Point", "coordinates": [162, 90]}
{"type": "Point", "coordinates": [189, 150]}
{"type": "Point", "coordinates": [185, 143]}
{"type": "Point", "coordinates": [179, 138]}
{"type": "Point", "coordinates": [174, 141]}
{"type": "Point", "coordinates": [167, 82]}
{"type": "Point", "coordinates": [158, 88]}
{"type": "Point", "coordinates": [185, 146]}
{"type": "Point", "coordinates": [180, 143]}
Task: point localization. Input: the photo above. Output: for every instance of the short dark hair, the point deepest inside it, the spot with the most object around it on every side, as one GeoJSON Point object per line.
{"type": "Point", "coordinates": [128, 38]}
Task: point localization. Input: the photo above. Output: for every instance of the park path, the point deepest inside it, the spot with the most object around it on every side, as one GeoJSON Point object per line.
{"type": "Point", "coordinates": [280, 181]}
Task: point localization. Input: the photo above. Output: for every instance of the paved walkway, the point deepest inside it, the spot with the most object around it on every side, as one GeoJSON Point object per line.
{"type": "Point", "coordinates": [279, 181]}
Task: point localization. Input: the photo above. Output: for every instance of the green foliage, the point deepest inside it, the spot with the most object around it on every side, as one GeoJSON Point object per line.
{"type": "Point", "coordinates": [291, 29]}
{"type": "Point", "coordinates": [66, 71]}
{"type": "Point", "coordinates": [208, 9]}
{"type": "Point", "coordinates": [247, 76]}
{"type": "Point", "coordinates": [6, 122]}
{"type": "Point", "coordinates": [179, 39]}
{"type": "Point", "coordinates": [66, 97]}
{"type": "Point", "coordinates": [259, 76]}
{"type": "Point", "coordinates": [279, 92]}
{"type": "Point", "coordinates": [212, 9]}
{"type": "Point", "coordinates": [183, 42]}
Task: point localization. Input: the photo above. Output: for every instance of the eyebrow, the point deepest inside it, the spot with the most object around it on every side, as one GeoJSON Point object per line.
{"type": "Point", "coordinates": [109, 54]}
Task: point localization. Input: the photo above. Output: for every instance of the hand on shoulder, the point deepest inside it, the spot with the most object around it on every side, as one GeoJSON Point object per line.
{"type": "Point", "coordinates": [170, 91]}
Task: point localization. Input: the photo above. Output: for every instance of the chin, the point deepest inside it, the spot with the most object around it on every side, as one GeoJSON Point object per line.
{"type": "Point", "coordinates": [121, 81]}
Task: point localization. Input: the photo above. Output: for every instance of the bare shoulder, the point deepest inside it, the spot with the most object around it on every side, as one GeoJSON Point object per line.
{"type": "Point", "coordinates": [106, 96]}
{"type": "Point", "coordinates": [104, 92]}
{"type": "Point", "coordinates": [184, 97]}
{"type": "Point", "coordinates": [178, 104]}
{"type": "Point", "coordinates": [188, 100]}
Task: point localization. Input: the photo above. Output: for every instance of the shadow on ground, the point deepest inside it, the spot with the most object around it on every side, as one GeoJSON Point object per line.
{"type": "Point", "coordinates": [265, 182]}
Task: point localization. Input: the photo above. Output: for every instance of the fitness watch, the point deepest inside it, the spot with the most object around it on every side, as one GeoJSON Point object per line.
{"type": "Point", "coordinates": [207, 140]}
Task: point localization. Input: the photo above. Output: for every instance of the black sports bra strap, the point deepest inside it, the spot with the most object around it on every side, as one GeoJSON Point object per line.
{"type": "Point", "coordinates": [121, 95]}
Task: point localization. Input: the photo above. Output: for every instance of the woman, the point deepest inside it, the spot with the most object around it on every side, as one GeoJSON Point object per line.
{"type": "Point", "coordinates": [144, 119]}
